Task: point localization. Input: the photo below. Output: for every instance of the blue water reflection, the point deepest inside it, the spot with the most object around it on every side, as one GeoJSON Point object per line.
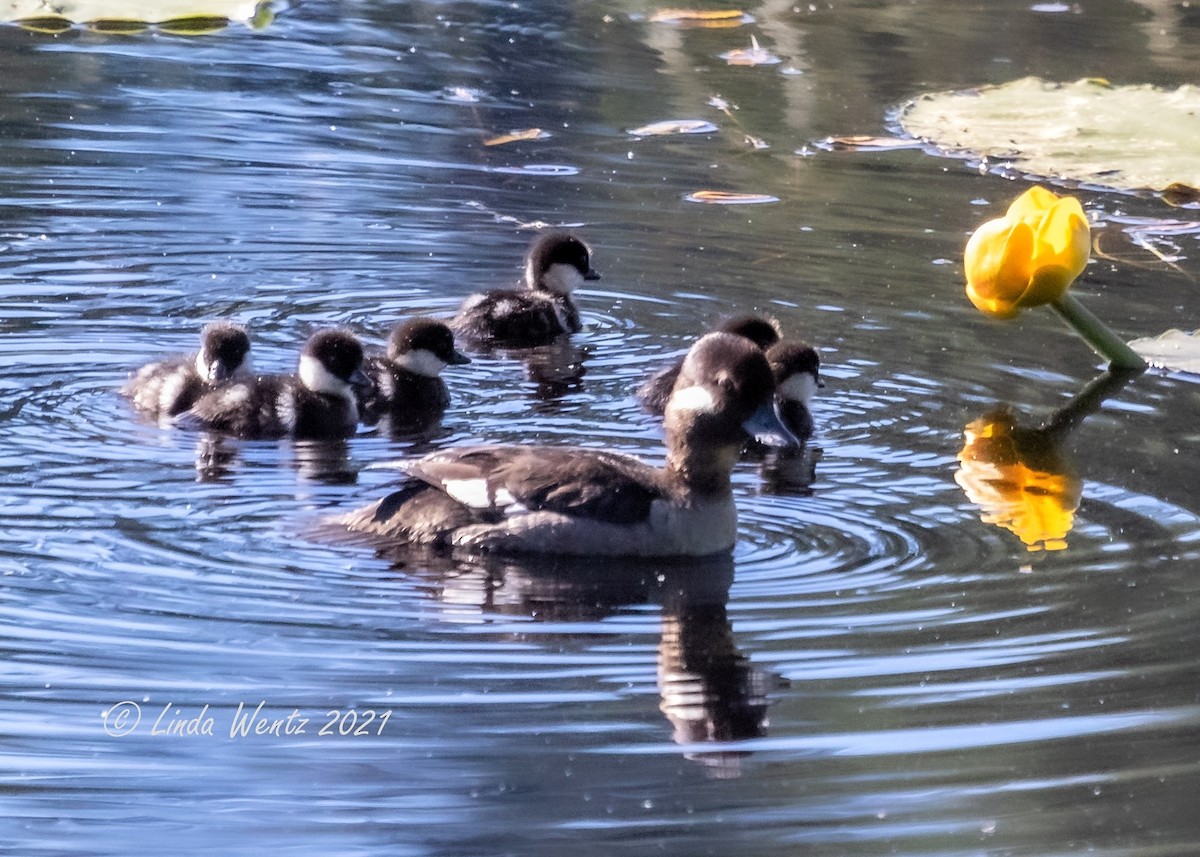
{"type": "Point", "coordinates": [876, 670]}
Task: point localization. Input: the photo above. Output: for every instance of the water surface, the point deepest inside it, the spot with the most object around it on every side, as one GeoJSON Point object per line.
{"type": "Point", "coordinates": [875, 670]}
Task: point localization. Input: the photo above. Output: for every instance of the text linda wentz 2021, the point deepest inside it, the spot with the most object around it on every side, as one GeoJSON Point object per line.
{"type": "Point", "coordinates": [248, 720]}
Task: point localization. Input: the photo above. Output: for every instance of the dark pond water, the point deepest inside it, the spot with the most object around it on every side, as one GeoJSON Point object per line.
{"type": "Point", "coordinates": [877, 670]}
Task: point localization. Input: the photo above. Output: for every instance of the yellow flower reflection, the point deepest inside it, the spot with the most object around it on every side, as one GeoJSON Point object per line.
{"type": "Point", "coordinates": [1029, 256]}
{"type": "Point", "coordinates": [1020, 480]}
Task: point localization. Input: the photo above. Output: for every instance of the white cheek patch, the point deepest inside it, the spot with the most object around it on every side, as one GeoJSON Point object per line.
{"type": "Point", "coordinates": [477, 494]}
{"type": "Point", "coordinates": [562, 279]}
{"type": "Point", "coordinates": [202, 368]}
{"type": "Point", "coordinates": [317, 378]}
{"type": "Point", "coordinates": [693, 398]}
{"type": "Point", "coordinates": [422, 362]}
{"type": "Point", "coordinates": [801, 387]}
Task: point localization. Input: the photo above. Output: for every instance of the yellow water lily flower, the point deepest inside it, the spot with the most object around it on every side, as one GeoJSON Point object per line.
{"type": "Point", "coordinates": [1029, 256]}
{"type": "Point", "coordinates": [1019, 479]}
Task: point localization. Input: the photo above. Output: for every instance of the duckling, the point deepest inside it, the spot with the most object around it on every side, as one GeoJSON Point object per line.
{"type": "Point", "coordinates": [165, 388]}
{"type": "Point", "coordinates": [653, 394]}
{"type": "Point", "coordinates": [407, 381]}
{"type": "Point", "coordinates": [317, 402]}
{"type": "Point", "coordinates": [797, 369]}
{"type": "Point", "coordinates": [556, 265]}
{"type": "Point", "coordinates": [584, 501]}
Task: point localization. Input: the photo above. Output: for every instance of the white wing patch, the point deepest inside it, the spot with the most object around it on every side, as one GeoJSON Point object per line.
{"type": "Point", "coordinates": [168, 394]}
{"type": "Point", "coordinates": [478, 494]}
{"type": "Point", "coordinates": [234, 396]}
{"type": "Point", "coordinates": [285, 409]}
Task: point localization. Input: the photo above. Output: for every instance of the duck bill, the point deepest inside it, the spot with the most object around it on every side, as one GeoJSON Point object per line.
{"type": "Point", "coordinates": [591, 274]}
{"type": "Point", "coordinates": [457, 358]}
{"type": "Point", "coordinates": [362, 383]}
{"type": "Point", "coordinates": [766, 426]}
{"type": "Point", "coordinates": [218, 371]}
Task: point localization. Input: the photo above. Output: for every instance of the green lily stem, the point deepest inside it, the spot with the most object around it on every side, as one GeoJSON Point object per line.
{"type": "Point", "coordinates": [1094, 332]}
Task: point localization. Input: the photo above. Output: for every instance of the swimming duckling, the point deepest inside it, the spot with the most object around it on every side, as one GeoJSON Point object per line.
{"type": "Point", "coordinates": [407, 382]}
{"type": "Point", "coordinates": [556, 265]}
{"type": "Point", "coordinates": [653, 394]}
{"type": "Point", "coordinates": [797, 370]}
{"type": "Point", "coordinates": [317, 402]}
{"type": "Point", "coordinates": [577, 501]}
{"type": "Point", "coordinates": [168, 387]}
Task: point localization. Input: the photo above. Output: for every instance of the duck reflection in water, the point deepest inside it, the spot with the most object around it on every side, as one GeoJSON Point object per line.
{"type": "Point", "coordinates": [556, 370]}
{"type": "Point", "coordinates": [1021, 478]}
{"type": "Point", "coordinates": [324, 461]}
{"type": "Point", "coordinates": [710, 692]}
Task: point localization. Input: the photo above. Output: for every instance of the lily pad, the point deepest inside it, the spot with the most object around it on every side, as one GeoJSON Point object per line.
{"type": "Point", "coordinates": [1123, 137]}
{"type": "Point", "coordinates": [109, 12]}
{"type": "Point", "coordinates": [1176, 350]}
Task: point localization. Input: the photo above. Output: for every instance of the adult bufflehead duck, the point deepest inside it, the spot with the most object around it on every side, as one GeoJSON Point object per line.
{"type": "Point", "coordinates": [317, 402]}
{"type": "Point", "coordinates": [797, 370]}
{"type": "Point", "coordinates": [168, 387]}
{"type": "Point", "coordinates": [574, 501]}
{"type": "Point", "coordinates": [653, 394]}
{"type": "Point", "coordinates": [556, 265]}
{"type": "Point", "coordinates": [407, 383]}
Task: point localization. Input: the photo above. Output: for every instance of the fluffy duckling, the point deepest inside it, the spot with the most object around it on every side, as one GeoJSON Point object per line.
{"type": "Point", "coordinates": [797, 370]}
{"type": "Point", "coordinates": [556, 265]}
{"type": "Point", "coordinates": [317, 402]}
{"type": "Point", "coordinates": [583, 501]}
{"type": "Point", "coordinates": [165, 388]}
{"type": "Point", "coordinates": [653, 394]}
{"type": "Point", "coordinates": [407, 383]}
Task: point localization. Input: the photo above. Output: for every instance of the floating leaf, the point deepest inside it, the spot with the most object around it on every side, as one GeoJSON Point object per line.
{"type": "Point", "coordinates": [722, 197]}
{"type": "Point", "coordinates": [1176, 350]}
{"type": "Point", "coordinates": [674, 126]}
{"type": "Point", "coordinates": [702, 18]}
{"type": "Point", "coordinates": [1124, 137]}
{"type": "Point", "coordinates": [865, 143]}
{"type": "Point", "coordinates": [516, 136]}
{"type": "Point", "coordinates": [128, 16]}
{"type": "Point", "coordinates": [753, 55]}
{"type": "Point", "coordinates": [197, 26]}
{"type": "Point", "coordinates": [118, 27]}
{"type": "Point", "coordinates": [1177, 193]}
